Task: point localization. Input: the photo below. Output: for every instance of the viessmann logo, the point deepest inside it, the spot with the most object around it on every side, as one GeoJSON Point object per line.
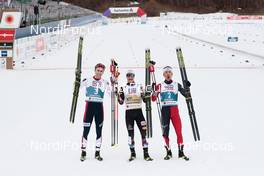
{"type": "Point", "coordinates": [123, 10]}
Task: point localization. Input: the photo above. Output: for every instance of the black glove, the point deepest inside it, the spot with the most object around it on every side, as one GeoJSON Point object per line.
{"type": "Point", "coordinates": [121, 94]}
{"type": "Point", "coordinates": [188, 83]}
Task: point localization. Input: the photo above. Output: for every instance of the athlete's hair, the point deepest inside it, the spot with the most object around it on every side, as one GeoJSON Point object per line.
{"type": "Point", "coordinates": [99, 65]}
{"type": "Point", "coordinates": [167, 68]}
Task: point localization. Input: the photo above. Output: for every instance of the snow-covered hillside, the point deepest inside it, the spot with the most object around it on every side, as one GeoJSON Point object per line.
{"type": "Point", "coordinates": [227, 88]}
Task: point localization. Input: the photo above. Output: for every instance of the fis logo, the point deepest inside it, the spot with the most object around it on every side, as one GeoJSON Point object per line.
{"type": "Point", "coordinates": [132, 90]}
{"type": "Point", "coordinates": [169, 87]}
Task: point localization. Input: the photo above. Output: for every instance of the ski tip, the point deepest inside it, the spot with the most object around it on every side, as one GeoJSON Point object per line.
{"type": "Point", "coordinates": [113, 61]}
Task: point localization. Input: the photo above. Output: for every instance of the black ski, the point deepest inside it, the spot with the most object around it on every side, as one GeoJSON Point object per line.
{"type": "Point", "coordinates": [189, 100]}
{"type": "Point", "coordinates": [114, 103]}
{"type": "Point", "coordinates": [77, 82]}
{"type": "Point", "coordinates": [148, 90]}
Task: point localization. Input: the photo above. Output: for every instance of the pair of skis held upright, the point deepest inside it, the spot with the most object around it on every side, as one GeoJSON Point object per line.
{"type": "Point", "coordinates": [149, 75]}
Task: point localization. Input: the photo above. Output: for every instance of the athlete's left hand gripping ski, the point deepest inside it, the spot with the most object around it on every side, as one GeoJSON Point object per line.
{"type": "Point", "coordinates": [77, 82]}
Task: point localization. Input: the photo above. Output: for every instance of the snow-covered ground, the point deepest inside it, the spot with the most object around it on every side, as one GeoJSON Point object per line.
{"type": "Point", "coordinates": [37, 138]}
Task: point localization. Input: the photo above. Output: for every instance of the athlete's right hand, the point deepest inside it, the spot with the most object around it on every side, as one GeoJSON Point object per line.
{"type": "Point", "coordinates": [121, 95]}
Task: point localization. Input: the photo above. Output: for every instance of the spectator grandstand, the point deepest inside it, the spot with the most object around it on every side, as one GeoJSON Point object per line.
{"type": "Point", "coordinates": [43, 11]}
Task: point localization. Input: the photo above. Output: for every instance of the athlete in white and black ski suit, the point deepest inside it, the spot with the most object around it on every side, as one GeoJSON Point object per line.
{"type": "Point", "coordinates": [132, 95]}
{"type": "Point", "coordinates": [95, 89]}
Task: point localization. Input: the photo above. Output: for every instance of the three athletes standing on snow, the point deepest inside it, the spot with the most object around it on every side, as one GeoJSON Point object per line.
{"type": "Point", "coordinates": [132, 95]}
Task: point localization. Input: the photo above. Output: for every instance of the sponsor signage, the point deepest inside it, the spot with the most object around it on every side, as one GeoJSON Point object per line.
{"type": "Point", "coordinates": [232, 39]}
{"type": "Point", "coordinates": [6, 45]}
{"type": "Point", "coordinates": [7, 35]}
{"type": "Point", "coordinates": [122, 10]}
{"type": "Point", "coordinates": [244, 17]}
{"type": "Point", "coordinates": [6, 53]}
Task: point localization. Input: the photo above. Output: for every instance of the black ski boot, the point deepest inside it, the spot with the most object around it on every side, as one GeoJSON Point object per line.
{"type": "Point", "coordinates": [133, 154]}
{"type": "Point", "coordinates": [83, 156]}
{"type": "Point", "coordinates": [181, 153]}
{"type": "Point", "coordinates": [169, 153]}
{"type": "Point", "coordinates": [97, 156]}
{"type": "Point", "coordinates": [146, 155]}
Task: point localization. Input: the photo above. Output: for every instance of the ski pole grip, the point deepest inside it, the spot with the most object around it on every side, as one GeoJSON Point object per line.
{"type": "Point", "coordinates": [151, 69]}
{"type": "Point", "coordinates": [112, 69]}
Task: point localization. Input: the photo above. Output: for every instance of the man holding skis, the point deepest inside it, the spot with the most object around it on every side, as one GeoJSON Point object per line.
{"type": "Point", "coordinates": [132, 95]}
{"type": "Point", "coordinates": [168, 92]}
{"type": "Point", "coordinates": [95, 89]}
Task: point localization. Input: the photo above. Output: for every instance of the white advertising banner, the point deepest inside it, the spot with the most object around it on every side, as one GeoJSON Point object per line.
{"type": "Point", "coordinates": [123, 10]}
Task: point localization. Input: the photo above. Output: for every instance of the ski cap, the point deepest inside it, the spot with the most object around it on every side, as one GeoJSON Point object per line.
{"type": "Point", "coordinates": [130, 73]}
{"type": "Point", "coordinates": [99, 65]}
{"type": "Point", "coordinates": [167, 68]}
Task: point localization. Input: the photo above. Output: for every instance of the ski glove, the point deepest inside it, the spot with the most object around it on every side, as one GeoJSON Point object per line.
{"type": "Point", "coordinates": [188, 83]}
{"type": "Point", "coordinates": [121, 96]}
